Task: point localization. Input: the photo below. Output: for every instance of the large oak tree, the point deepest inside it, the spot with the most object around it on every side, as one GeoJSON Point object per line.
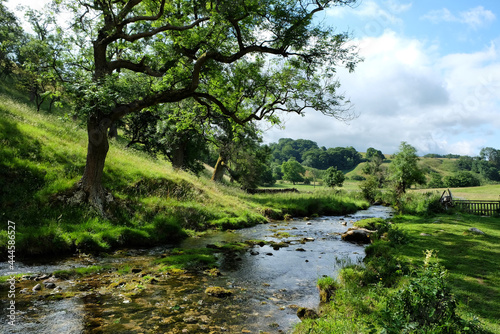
{"type": "Point", "coordinates": [246, 59]}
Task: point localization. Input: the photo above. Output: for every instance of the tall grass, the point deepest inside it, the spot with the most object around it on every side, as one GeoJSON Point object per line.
{"type": "Point", "coordinates": [42, 157]}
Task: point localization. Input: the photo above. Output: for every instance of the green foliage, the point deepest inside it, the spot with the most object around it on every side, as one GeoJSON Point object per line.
{"type": "Point", "coordinates": [436, 181]}
{"type": "Point", "coordinates": [333, 177]}
{"type": "Point", "coordinates": [309, 154]}
{"type": "Point", "coordinates": [293, 171]}
{"type": "Point", "coordinates": [425, 305]}
{"type": "Point", "coordinates": [11, 38]}
{"type": "Point", "coordinates": [250, 165]}
{"type": "Point", "coordinates": [327, 287]}
{"type": "Point", "coordinates": [421, 204]}
{"type": "Point", "coordinates": [486, 164]}
{"type": "Point", "coordinates": [461, 179]}
{"type": "Point", "coordinates": [166, 132]}
{"type": "Point", "coordinates": [372, 153]}
{"type": "Point", "coordinates": [370, 189]}
{"type": "Point", "coordinates": [404, 169]}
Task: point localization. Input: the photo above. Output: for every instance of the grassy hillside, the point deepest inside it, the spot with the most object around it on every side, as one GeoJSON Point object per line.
{"type": "Point", "coordinates": [43, 156]}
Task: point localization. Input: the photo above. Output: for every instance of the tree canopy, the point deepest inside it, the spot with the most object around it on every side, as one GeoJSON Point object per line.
{"type": "Point", "coordinates": [293, 171]}
{"type": "Point", "coordinates": [333, 177]}
{"type": "Point", "coordinates": [247, 60]}
{"type": "Point", "coordinates": [404, 168]}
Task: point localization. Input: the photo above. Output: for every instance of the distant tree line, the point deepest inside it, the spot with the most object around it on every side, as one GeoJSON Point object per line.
{"type": "Point", "coordinates": [443, 156]}
{"type": "Point", "coordinates": [309, 154]}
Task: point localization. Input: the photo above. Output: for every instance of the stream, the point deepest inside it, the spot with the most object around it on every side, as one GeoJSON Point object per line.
{"type": "Point", "coordinates": [267, 284]}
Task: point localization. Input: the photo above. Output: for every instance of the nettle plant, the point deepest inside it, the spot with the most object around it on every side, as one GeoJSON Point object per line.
{"type": "Point", "coordinates": [426, 304]}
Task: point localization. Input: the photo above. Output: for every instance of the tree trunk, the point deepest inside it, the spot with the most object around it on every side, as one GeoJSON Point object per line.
{"type": "Point", "coordinates": [220, 168]}
{"type": "Point", "coordinates": [98, 146]}
{"type": "Point", "coordinates": [178, 158]}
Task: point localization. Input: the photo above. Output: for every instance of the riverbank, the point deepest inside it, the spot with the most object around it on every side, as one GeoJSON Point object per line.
{"type": "Point", "coordinates": [396, 289]}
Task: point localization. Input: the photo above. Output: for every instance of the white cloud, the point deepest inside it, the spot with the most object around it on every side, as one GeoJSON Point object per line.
{"type": "Point", "coordinates": [397, 7]}
{"type": "Point", "coordinates": [475, 18]}
{"type": "Point", "coordinates": [372, 10]}
{"type": "Point", "coordinates": [404, 91]}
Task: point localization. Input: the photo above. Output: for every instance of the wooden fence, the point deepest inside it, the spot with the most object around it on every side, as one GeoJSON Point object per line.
{"type": "Point", "coordinates": [485, 208]}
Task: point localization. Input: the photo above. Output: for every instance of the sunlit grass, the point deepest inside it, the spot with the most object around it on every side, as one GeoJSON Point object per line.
{"type": "Point", "coordinates": [473, 261]}
{"type": "Point", "coordinates": [42, 157]}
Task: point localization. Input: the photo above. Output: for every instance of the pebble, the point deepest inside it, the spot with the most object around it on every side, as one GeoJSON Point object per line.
{"type": "Point", "coordinates": [49, 285]}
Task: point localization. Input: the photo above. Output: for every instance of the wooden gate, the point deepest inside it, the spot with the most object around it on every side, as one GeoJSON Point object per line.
{"type": "Point", "coordinates": [485, 208]}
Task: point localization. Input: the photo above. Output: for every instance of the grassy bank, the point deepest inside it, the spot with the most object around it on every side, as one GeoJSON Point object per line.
{"type": "Point", "coordinates": [400, 290]}
{"type": "Point", "coordinates": [43, 156]}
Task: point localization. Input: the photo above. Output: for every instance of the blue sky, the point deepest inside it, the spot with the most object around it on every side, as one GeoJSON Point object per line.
{"type": "Point", "coordinates": [430, 77]}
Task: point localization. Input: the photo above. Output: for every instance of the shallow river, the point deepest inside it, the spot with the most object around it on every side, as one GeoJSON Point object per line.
{"type": "Point", "coordinates": [267, 285]}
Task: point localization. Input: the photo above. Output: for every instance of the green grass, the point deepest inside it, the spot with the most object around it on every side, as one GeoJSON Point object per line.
{"type": "Point", "coordinates": [473, 261]}
{"type": "Point", "coordinates": [369, 297]}
{"type": "Point", "coordinates": [42, 156]}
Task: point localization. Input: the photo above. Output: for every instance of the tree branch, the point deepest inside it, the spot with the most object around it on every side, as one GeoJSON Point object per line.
{"type": "Point", "coordinates": [140, 67]}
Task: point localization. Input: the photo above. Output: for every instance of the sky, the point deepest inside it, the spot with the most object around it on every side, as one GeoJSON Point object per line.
{"type": "Point", "coordinates": [430, 77]}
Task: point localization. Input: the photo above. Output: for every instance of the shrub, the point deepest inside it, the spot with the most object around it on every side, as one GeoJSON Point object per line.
{"type": "Point", "coordinates": [421, 204]}
{"type": "Point", "coordinates": [381, 265]}
{"type": "Point", "coordinates": [425, 305]}
{"type": "Point", "coordinates": [370, 189]}
{"type": "Point", "coordinates": [461, 179]}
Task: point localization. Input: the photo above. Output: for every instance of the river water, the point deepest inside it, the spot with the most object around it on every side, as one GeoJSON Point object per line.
{"type": "Point", "coordinates": [267, 284]}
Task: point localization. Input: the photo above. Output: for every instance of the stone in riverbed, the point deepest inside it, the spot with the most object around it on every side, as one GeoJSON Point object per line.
{"type": "Point", "coordinates": [307, 313]}
{"type": "Point", "coordinates": [49, 285]}
{"type": "Point", "coordinates": [359, 235]}
{"type": "Point", "coordinates": [218, 292]}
